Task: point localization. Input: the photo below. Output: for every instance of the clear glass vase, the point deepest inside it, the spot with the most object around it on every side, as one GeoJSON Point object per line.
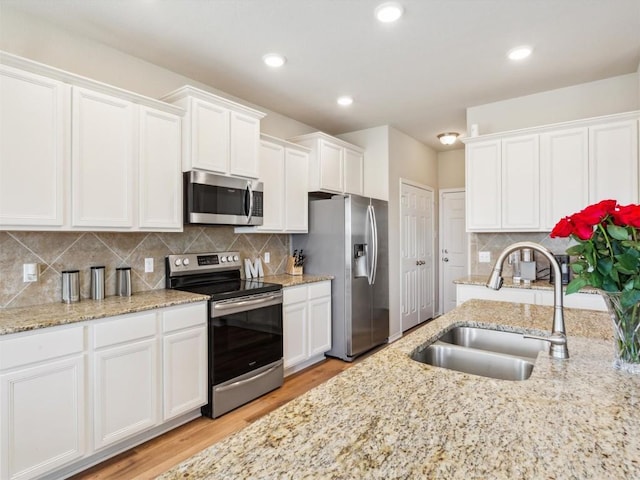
{"type": "Point", "coordinates": [626, 332]}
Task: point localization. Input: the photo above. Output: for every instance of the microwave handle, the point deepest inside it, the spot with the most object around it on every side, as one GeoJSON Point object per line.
{"type": "Point", "coordinates": [249, 194]}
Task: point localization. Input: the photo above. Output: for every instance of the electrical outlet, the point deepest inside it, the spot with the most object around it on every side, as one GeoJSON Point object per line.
{"type": "Point", "coordinates": [30, 272]}
{"type": "Point", "coordinates": [148, 265]}
{"type": "Point", "coordinates": [484, 257]}
{"type": "Point", "coordinates": [267, 257]}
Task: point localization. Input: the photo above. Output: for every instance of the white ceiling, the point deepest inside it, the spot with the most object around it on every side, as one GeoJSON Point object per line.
{"type": "Point", "coordinates": [418, 75]}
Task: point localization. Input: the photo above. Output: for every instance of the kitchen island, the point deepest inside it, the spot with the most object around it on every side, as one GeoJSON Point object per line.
{"type": "Point", "coordinates": [391, 417]}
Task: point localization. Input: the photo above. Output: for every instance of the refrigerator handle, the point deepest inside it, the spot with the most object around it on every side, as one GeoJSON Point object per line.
{"type": "Point", "coordinates": [374, 244]}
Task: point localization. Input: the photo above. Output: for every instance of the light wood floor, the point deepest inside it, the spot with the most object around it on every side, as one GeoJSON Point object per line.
{"type": "Point", "coordinates": [160, 454]}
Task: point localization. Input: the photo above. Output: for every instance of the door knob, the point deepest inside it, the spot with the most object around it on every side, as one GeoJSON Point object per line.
{"type": "Point", "coordinates": [417, 262]}
{"type": "Point", "coordinates": [445, 259]}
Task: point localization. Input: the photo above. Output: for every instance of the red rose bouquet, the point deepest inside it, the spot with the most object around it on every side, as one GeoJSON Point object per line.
{"type": "Point", "coordinates": [608, 258]}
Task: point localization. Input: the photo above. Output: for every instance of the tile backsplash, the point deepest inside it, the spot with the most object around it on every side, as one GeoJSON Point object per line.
{"type": "Point", "coordinates": [496, 242]}
{"type": "Point", "coordinates": [58, 251]}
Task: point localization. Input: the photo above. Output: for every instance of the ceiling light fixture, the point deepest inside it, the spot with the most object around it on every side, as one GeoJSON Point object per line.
{"type": "Point", "coordinates": [345, 100]}
{"type": "Point", "coordinates": [519, 53]}
{"type": "Point", "coordinates": [274, 60]}
{"type": "Point", "coordinates": [389, 12]}
{"type": "Point", "coordinates": [448, 138]}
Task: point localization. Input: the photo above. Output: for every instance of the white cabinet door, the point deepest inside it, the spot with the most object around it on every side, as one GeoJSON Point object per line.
{"type": "Point", "coordinates": [295, 315]}
{"type": "Point", "coordinates": [331, 166]}
{"type": "Point", "coordinates": [296, 196]}
{"type": "Point", "coordinates": [184, 371]}
{"type": "Point", "coordinates": [272, 175]}
{"type": "Point", "coordinates": [102, 160]}
{"type": "Point", "coordinates": [160, 185]}
{"type": "Point", "coordinates": [209, 136]}
{"type": "Point", "coordinates": [613, 162]}
{"type": "Point", "coordinates": [244, 139]}
{"type": "Point", "coordinates": [320, 324]}
{"type": "Point", "coordinates": [484, 185]}
{"type": "Point", "coordinates": [42, 413]}
{"type": "Point", "coordinates": [353, 172]}
{"type": "Point", "coordinates": [34, 150]}
{"type": "Point", "coordinates": [520, 200]}
{"type": "Point", "coordinates": [564, 174]}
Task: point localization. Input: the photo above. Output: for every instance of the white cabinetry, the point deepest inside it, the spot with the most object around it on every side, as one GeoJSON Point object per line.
{"type": "Point", "coordinates": [34, 148]}
{"type": "Point", "coordinates": [307, 324]}
{"type": "Point", "coordinates": [219, 135]}
{"type": "Point", "coordinates": [283, 170]}
{"type": "Point", "coordinates": [42, 401]}
{"type": "Point", "coordinates": [584, 301]}
{"type": "Point", "coordinates": [335, 166]}
{"type": "Point", "coordinates": [514, 185]}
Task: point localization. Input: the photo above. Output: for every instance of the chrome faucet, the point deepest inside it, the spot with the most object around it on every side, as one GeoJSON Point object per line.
{"type": "Point", "coordinates": [558, 338]}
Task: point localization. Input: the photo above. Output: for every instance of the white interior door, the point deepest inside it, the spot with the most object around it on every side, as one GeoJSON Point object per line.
{"type": "Point", "coordinates": [416, 213]}
{"type": "Point", "coordinates": [453, 245]}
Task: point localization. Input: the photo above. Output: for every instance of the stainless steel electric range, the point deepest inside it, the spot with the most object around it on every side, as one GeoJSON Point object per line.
{"type": "Point", "coordinates": [244, 327]}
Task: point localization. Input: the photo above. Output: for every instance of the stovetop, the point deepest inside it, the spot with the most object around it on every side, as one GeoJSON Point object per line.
{"type": "Point", "coordinates": [232, 288]}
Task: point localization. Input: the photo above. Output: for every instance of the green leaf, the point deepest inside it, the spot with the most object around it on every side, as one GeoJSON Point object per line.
{"type": "Point", "coordinates": [576, 284]}
{"type": "Point", "coordinates": [595, 279]}
{"type": "Point", "coordinates": [577, 268]}
{"type": "Point", "coordinates": [605, 265]}
{"type": "Point", "coordinates": [619, 233]}
{"type": "Point", "coordinates": [609, 285]}
{"type": "Point", "coordinates": [630, 298]}
{"type": "Point", "coordinates": [576, 250]}
{"type": "Point", "coordinates": [627, 263]}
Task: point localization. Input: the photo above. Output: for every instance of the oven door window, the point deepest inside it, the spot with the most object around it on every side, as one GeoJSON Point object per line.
{"type": "Point", "coordinates": [244, 341]}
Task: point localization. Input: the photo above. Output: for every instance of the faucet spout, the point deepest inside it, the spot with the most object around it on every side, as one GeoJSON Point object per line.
{"type": "Point", "coordinates": [558, 338]}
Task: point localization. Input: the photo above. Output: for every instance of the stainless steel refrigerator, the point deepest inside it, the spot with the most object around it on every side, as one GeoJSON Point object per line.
{"type": "Point", "coordinates": [348, 238]}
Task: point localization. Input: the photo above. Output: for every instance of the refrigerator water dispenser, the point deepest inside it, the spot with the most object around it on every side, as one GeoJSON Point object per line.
{"type": "Point", "coordinates": [360, 260]}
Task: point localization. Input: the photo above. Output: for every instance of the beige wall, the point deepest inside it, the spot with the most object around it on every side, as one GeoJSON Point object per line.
{"type": "Point", "coordinates": [43, 42]}
{"type": "Point", "coordinates": [612, 95]}
{"type": "Point", "coordinates": [451, 169]}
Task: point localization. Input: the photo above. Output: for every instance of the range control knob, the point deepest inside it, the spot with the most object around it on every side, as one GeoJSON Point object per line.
{"type": "Point", "coordinates": [223, 259]}
{"type": "Point", "coordinates": [185, 262]}
{"type": "Point", "coordinates": [178, 262]}
{"type": "Point", "coordinates": [229, 258]}
{"type": "Point", "coordinates": [236, 258]}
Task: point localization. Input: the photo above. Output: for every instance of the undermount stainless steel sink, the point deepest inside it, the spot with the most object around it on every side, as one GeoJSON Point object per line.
{"type": "Point", "coordinates": [484, 352]}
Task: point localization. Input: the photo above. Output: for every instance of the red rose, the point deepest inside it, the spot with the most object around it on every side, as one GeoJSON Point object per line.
{"type": "Point", "coordinates": [581, 229]}
{"type": "Point", "coordinates": [563, 228]}
{"type": "Point", "coordinates": [627, 215]}
{"type": "Point", "coordinates": [593, 214]}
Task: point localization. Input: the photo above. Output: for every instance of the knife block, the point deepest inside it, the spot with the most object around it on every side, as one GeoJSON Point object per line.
{"type": "Point", "coordinates": [291, 268]}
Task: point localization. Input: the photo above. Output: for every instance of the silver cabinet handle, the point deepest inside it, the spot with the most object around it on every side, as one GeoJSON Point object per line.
{"type": "Point", "coordinates": [247, 380]}
{"type": "Point", "coordinates": [244, 303]}
{"type": "Point", "coordinates": [250, 191]}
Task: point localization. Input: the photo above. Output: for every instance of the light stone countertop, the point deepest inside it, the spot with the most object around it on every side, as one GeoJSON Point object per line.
{"type": "Point", "coordinates": [14, 320]}
{"type": "Point", "coordinates": [287, 280]}
{"type": "Point", "coordinates": [481, 280]}
{"type": "Point", "coordinates": [389, 417]}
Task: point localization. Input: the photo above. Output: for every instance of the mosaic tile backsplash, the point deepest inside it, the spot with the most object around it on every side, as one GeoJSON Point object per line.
{"type": "Point", "coordinates": [58, 251]}
{"type": "Point", "coordinates": [496, 242]}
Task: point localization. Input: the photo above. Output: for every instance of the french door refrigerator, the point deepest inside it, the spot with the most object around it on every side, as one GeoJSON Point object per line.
{"type": "Point", "coordinates": [348, 238]}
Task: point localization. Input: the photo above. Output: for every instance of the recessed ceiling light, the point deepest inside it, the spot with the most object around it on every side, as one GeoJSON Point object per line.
{"type": "Point", "coordinates": [274, 60]}
{"type": "Point", "coordinates": [389, 12]}
{"type": "Point", "coordinates": [345, 100]}
{"type": "Point", "coordinates": [519, 53]}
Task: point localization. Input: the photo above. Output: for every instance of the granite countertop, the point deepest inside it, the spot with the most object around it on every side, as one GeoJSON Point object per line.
{"type": "Point", "coordinates": [389, 417]}
{"type": "Point", "coordinates": [287, 280]}
{"type": "Point", "coordinates": [14, 320]}
{"type": "Point", "coordinates": [508, 283]}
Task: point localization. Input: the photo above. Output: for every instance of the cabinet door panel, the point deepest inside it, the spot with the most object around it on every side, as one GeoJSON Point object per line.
{"type": "Point", "coordinates": [520, 183]}
{"type": "Point", "coordinates": [209, 136]}
{"type": "Point", "coordinates": [331, 167]}
{"type": "Point", "coordinates": [295, 333]}
{"type": "Point", "coordinates": [34, 150]}
{"type": "Point", "coordinates": [160, 195]}
{"type": "Point", "coordinates": [245, 134]}
{"type": "Point", "coordinates": [564, 179]}
{"type": "Point", "coordinates": [296, 196]}
{"type": "Point", "coordinates": [272, 176]}
{"type": "Point", "coordinates": [102, 160]}
{"type": "Point", "coordinates": [353, 172]}
{"type": "Point", "coordinates": [126, 391]}
{"type": "Point", "coordinates": [483, 182]}
{"type": "Point", "coordinates": [43, 418]}
{"type": "Point", "coordinates": [319, 325]}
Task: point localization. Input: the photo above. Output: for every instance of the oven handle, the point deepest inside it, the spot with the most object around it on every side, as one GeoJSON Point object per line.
{"type": "Point", "coordinates": [247, 380]}
{"type": "Point", "coordinates": [243, 304]}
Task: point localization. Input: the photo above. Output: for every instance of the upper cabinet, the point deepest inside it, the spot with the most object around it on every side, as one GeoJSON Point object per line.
{"type": "Point", "coordinates": [282, 167]}
{"type": "Point", "coordinates": [335, 166]}
{"type": "Point", "coordinates": [219, 135]}
{"type": "Point", "coordinates": [530, 179]}
{"type": "Point", "coordinates": [80, 155]}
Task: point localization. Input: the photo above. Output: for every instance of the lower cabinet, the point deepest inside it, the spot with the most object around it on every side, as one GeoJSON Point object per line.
{"type": "Point", "coordinates": [307, 324]}
{"type": "Point", "coordinates": [72, 393]}
{"type": "Point", "coordinates": [584, 301]}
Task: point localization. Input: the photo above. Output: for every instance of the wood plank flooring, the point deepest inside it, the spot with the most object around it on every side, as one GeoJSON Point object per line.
{"type": "Point", "coordinates": [160, 454]}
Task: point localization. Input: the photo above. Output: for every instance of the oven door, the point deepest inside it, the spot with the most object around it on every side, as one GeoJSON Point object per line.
{"type": "Point", "coordinates": [244, 334]}
{"type": "Point", "coordinates": [214, 199]}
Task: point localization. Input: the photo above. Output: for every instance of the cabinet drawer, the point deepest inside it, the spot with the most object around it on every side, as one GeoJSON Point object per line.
{"type": "Point", "coordinates": [319, 289]}
{"type": "Point", "coordinates": [124, 328]}
{"type": "Point", "coordinates": [40, 346]}
{"type": "Point", "coordinates": [294, 294]}
{"type": "Point", "coordinates": [184, 317]}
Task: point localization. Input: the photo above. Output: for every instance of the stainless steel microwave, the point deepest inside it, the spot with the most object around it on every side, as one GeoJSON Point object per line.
{"type": "Point", "coordinates": [217, 200]}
